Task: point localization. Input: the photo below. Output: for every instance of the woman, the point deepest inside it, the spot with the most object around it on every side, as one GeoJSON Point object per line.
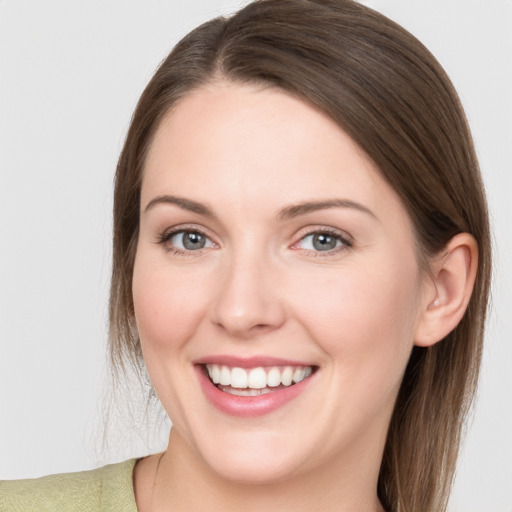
{"type": "Point", "coordinates": [301, 258]}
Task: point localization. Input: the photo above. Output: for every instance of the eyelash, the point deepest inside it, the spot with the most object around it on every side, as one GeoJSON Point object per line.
{"type": "Point", "coordinates": [346, 242]}
{"type": "Point", "coordinates": [164, 237]}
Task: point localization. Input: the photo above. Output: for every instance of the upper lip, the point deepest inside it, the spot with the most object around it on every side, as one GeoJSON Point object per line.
{"type": "Point", "coordinates": [249, 362]}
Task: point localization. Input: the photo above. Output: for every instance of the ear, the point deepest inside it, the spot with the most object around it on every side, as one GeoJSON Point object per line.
{"type": "Point", "coordinates": [448, 289]}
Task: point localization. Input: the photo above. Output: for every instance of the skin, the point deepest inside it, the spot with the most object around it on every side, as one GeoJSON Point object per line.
{"type": "Point", "coordinates": [259, 288]}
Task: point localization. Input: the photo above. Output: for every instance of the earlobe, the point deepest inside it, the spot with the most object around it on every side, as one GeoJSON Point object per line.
{"type": "Point", "coordinates": [450, 286]}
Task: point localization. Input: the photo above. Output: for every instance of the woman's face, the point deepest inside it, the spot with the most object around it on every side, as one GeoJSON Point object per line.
{"type": "Point", "coordinates": [270, 248]}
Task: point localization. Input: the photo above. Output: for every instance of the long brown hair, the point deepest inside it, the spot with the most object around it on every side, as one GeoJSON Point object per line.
{"type": "Point", "coordinates": [387, 91]}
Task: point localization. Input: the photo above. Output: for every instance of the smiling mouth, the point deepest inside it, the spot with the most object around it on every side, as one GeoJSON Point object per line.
{"type": "Point", "coordinates": [256, 381]}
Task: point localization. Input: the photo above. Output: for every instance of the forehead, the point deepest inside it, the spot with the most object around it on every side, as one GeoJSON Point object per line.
{"type": "Point", "coordinates": [248, 144]}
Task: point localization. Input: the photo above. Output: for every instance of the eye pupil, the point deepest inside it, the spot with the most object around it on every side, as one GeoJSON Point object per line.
{"type": "Point", "coordinates": [324, 242]}
{"type": "Point", "coordinates": [193, 240]}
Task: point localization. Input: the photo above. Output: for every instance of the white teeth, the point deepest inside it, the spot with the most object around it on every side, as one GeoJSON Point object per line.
{"type": "Point", "coordinates": [215, 374]}
{"type": "Point", "coordinates": [225, 376]}
{"type": "Point", "coordinates": [256, 379]}
{"type": "Point", "coordinates": [246, 391]}
{"type": "Point", "coordinates": [273, 378]}
{"type": "Point", "coordinates": [238, 378]}
{"type": "Point", "coordinates": [298, 374]}
{"type": "Point", "coordinates": [287, 376]}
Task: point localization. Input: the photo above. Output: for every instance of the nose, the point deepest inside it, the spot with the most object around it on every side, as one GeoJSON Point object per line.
{"type": "Point", "coordinates": [248, 301]}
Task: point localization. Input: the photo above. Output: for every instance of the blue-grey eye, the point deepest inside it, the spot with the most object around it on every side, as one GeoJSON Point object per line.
{"type": "Point", "coordinates": [321, 242]}
{"type": "Point", "coordinates": [190, 240]}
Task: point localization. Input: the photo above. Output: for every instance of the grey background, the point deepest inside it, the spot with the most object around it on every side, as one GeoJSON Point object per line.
{"type": "Point", "coordinates": [70, 74]}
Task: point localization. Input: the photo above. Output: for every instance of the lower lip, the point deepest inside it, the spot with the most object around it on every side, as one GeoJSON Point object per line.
{"type": "Point", "coordinates": [249, 406]}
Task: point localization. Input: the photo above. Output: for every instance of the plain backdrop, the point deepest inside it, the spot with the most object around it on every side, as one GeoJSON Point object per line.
{"type": "Point", "coordinates": [70, 75]}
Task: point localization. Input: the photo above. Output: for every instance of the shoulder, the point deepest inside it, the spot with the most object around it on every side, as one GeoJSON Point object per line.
{"type": "Point", "coordinates": [109, 488]}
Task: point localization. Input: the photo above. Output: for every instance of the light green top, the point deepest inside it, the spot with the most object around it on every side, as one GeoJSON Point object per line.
{"type": "Point", "coordinates": [107, 489]}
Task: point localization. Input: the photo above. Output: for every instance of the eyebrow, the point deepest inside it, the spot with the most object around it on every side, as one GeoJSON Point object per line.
{"type": "Point", "coordinates": [181, 202]}
{"type": "Point", "coordinates": [289, 212]}
{"type": "Point", "coordinates": [296, 210]}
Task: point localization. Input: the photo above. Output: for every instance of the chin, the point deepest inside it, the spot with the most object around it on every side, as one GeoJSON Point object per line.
{"type": "Point", "coordinates": [245, 459]}
{"type": "Point", "coordinates": [245, 471]}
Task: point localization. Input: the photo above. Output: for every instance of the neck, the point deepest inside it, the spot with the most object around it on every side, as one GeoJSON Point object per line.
{"type": "Point", "coordinates": [183, 482]}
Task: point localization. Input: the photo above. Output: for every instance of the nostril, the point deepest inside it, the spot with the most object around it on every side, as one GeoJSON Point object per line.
{"type": "Point", "coordinates": [261, 327]}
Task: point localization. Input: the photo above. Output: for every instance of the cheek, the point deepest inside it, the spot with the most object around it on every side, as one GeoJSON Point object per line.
{"type": "Point", "coordinates": [168, 305]}
{"type": "Point", "coordinates": [168, 309]}
{"type": "Point", "coordinates": [364, 318]}
{"type": "Point", "coordinates": [364, 322]}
